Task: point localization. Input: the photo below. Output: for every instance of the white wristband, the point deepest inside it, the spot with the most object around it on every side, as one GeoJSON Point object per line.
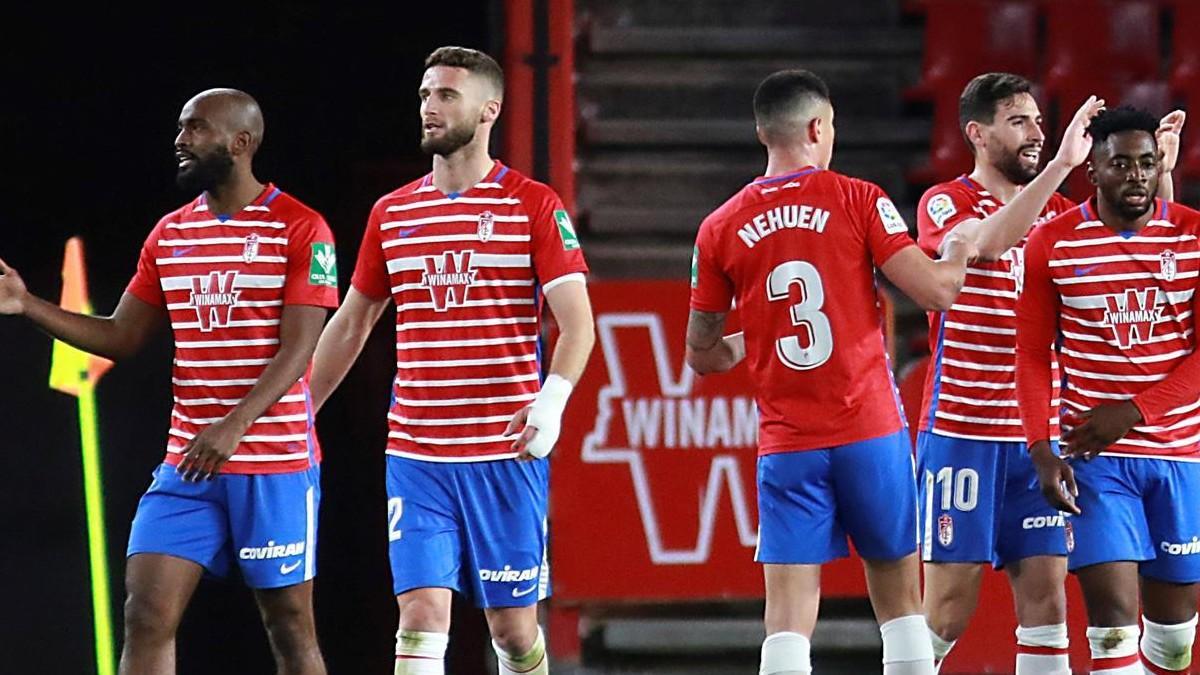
{"type": "Point", "coordinates": [545, 414]}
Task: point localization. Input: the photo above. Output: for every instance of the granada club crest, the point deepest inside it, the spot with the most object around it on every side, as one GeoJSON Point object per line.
{"type": "Point", "coordinates": [487, 223]}
{"type": "Point", "coordinates": [250, 249]}
{"type": "Point", "coordinates": [945, 529]}
{"type": "Point", "coordinates": [1166, 263]}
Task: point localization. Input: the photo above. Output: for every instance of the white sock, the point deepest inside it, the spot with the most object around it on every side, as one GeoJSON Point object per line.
{"type": "Point", "coordinates": [940, 649]}
{"type": "Point", "coordinates": [906, 646]}
{"type": "Point", "coordinates": [533, 662]}
{"type": "Point", "coordinates": [1114, 650]}
{"type": "Point", "coordinates": [1042, 650]}
{"type": "Point", "coordinates": [1168, 646]}
{"type": "Point", "coordinates": [419, 653]}
{"type": "Point", "coordinates": [785, 654]}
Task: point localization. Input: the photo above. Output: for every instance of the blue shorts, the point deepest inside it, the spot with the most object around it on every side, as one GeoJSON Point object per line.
{"type": "Point", "coordinates": [1139, 509]}
{"type": "Point", "coordinates": [809, 501]}
{"type": "Point", "coordinates": [478, 528]}
{"type": "Point", "coordinates": [265, 523]}
{"type": "Point", "coordinates": [980, 502]}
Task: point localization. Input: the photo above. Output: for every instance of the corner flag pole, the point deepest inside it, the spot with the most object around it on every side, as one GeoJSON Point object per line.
{"type": "Point", "coordinates": [76, 372]}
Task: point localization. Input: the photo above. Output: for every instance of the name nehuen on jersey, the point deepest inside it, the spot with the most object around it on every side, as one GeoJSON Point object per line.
{"type": "Point", "coordinates": [783, 217]}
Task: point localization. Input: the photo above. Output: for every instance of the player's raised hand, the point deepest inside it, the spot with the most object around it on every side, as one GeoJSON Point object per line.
{"type": "Point", "coordinates": [1170, 128]}
{"type": "Point", "coordinates": [12, 290]}
{"type": "Point", "coordinates": [1056, 478]}
{"type": "Point", "coordinates": [1076, 141]}
{"type": "Point", "coordinates": [1099, 428]}
{"type": "Point", "coordinates": [205, 454]}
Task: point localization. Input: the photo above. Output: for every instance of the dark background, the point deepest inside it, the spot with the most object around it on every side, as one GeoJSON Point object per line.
{"type": "Point", "coordinates": [87, 119]}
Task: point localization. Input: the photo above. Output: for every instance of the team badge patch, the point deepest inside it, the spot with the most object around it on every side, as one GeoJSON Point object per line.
{"type": "Point", "coordinates": [892, 222]}
{"type": "Point", "coordinates": [250, 249]}
{"type": "Point", "coordinates": [566, 230]}
{"type": "Point", "coordinates": [1166, 264]}
{"type": "Point", "coordinates": [1069, 533]}
{"type": "Point", "coordinates": [945, 529]}
{"type": "Point", "coordinates": [940, 208]}
{"type": "Point", "coordinates": [487, 224]}
{"type": "Point", "coordinates": [322, 271]}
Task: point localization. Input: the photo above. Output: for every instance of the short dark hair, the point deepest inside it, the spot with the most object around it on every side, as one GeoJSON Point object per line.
{"type": "Point", "coordinates": [473, 60]}
{"type": "Point", "coordinates": [1115, 120]}
{"type": "Point", "coordinates": [983, 93]}
{"type": "Point", "coordinates": [783, 92]}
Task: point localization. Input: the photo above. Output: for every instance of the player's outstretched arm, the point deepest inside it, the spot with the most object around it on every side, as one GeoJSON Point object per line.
{"type": "Point", "coordinates": [341, 342]}
{"type": "Point", "coordinates": [541, 421]}
{"type": "Point", "coordinates": [1000, 231]}
{"type": "Point", "coordinates": [708, 351]}
{"type": "Point", "coordinates": [299, 328]}
{"type": "Point", "coordinates": [115, 337]}
{"type": "Point", "coordinates": [932, 284]}
{"type": "Point", "coordinates": [1170, 130]}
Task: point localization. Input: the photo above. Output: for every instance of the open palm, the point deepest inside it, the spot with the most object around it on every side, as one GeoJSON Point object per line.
{"type": "Point", "coordinates": [12, 290]}
{"type": "Point", "coordinates": [1077, 142]}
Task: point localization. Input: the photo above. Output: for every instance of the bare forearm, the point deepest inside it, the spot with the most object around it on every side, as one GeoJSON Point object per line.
{"type": "Point", "coordinates": [277, 378]}
{"type": "Point", "coordinates": [1166, 187]}
{"type": "Point", "coordinates": [335, 354]}
{"type": "Point", "coordinates": [94, 334]}
{"type": "Point", "coordinates": [1002, 230]}
{"type": "Point", "coordinates": [571, 353]}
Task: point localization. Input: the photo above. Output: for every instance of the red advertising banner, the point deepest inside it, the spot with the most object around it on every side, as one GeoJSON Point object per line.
{"type": "Point", "coordinates": [652, 486]}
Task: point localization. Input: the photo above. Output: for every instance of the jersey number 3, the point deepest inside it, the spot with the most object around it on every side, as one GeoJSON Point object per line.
{"type": "Point", "coordinates": [806, 314]}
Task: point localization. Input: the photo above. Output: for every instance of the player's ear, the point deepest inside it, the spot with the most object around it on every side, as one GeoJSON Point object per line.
{"type": "Point", "coordinates": [816, 130]}
{"type": "Point", "coordinates": [491, 111]}
{"type": "Point", "coordinates": [974, 133]}
{"type": "Point", "coordinates": [243, 142]}
{"type": "Point", "coordinates": [760, 134]}
{"type": "Point", "coordinates": [1091, 173]}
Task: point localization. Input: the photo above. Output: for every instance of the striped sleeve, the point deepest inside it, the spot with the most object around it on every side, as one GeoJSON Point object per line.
{"type": "Point", "coordinates": [1037, 322]}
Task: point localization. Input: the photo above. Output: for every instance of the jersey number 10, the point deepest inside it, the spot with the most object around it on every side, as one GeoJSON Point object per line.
{"type": "Point", "coordinates": [806, 314]}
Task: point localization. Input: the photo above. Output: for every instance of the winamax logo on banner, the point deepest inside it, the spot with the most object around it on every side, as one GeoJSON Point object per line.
{"type": "Point", "coordinates": [653, 487]}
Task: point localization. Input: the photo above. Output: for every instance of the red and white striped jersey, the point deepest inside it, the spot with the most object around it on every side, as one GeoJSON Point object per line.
{"type": "Point", "coordinates": [224, 281]}
{"type": "Point", "coordinates": [467, 272]}
{"type": "Point", "coordinates": [970, 390]}
{"type": "Point", "coordinates": [1123, 306]}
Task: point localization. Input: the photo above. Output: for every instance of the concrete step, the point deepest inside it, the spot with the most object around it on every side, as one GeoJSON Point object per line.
{"type": "Point", "coordinates": [853, 43]}
{"type": "Point", "coordinates": [688, 178]}
{"type": "Point", "coordinates": [638, 258]}
{"type": "Point", "coordinates": [739, 12]}
{"type": "Point", "coordinates": [872, 132]}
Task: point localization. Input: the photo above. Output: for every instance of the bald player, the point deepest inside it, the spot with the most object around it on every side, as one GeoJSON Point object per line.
{"type": "Point", "coordinates": [245, 275]}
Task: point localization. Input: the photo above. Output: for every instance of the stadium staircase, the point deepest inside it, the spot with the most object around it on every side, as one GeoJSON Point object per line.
{"type": "Point", "coordinates": [666, 130]}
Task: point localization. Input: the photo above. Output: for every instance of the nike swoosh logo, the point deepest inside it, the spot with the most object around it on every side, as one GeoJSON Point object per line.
{"type": "Point", "coordinates": [1080, 271]}
{"type": "Point", "coordinates": [288, 569]}
{"type": "Point", "coordinates": [516, 593]}
{"type": "Point", "coordinates": [408, 231]}
{"type": "Point", "coordinates": [182, 251]}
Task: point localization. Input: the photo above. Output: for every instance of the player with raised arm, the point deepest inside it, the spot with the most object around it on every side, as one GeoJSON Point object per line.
{"type": "Point", "coordinates": [798, 249]}
{"type": "Point", "coordinates": [467, 253]}
{"type": "Point", "coordinates": [1113, 283]}
{"type": "Point", "coordinates": [976, 482]}
{"type": "Point", "coordinates": [245, 274]}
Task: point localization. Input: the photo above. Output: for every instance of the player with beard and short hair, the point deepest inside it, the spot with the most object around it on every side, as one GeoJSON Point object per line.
{"type": "Point", "coordinates": [1111, 286]}
{"type": "Point", "coordinates": [245, 274]}
{"type": "Point", "coordinates": [468, 253]}
{"type": "Point", "coordinates": [974, 475]}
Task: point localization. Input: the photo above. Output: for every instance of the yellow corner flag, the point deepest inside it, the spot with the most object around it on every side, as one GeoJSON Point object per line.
{"type": "Point", "coordinates": [75, 372]}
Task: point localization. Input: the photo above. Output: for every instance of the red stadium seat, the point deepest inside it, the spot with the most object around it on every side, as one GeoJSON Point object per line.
{"type": "Point", "coordinates": [964, 38]}
{"type": "Point", "coordinates": [1108, 39]}
{"type": "Point", "coordinates": [949, 155]}
{"type": "Point", "coordinates": [1185, 49]}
